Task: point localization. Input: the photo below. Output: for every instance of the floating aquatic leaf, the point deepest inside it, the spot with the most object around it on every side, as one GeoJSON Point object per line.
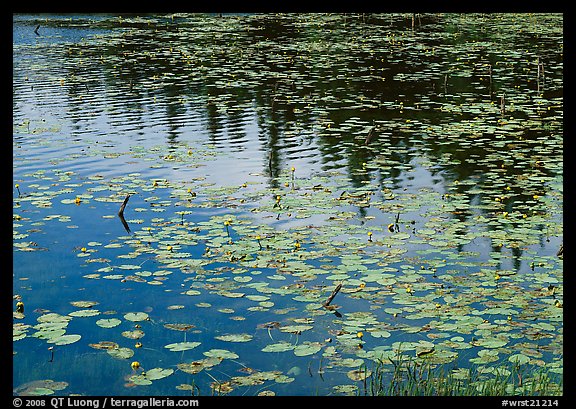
{"type": "Point", "coordinates": [19, 331]}
{"type": "Point", "coordinates": [281, 346]}
{"type": "Point", "coordinates": [359, 374]}
{"type": "Point", "coordinates": [234, 337]}
{"type": "Point", "coordinates": [141, 380]}
{"type": "Point", "coordinates": [49, 334]}
{"type": "Point", "coordinates": [104, 345]}
{"type": "Point", "coordinates": [121, 352]}
{"type": "Point", "coordinates": [41, 387]}
{"type": "Point", "coordinates": [197, 366]}
{"type": "Point", "coordinates": [179, 327]}
{"type": "Point", "coordinates": [519, 359]}
{"type": "Point", "coordinates": [492, 343]}
{"type": "Point", "coordinates": [84, 304]}
{"type": "Point", "coordinates": [221, 354]}
{"type": "Point", "coordinates": [485, 356]}
{"type": "Point", "coordinates": [53, 317]}
{"type": "Point", "coordinates": [114, 277]}
{"type": "Point", "coordinates": [258, 297]}
{"type": "Point", "coordinates": [135, 334]}
{"type": "Point", "coordinates": [266, 393]}
{"type": "Point", "coordinates": [108, 322]}
{"type": "Point", "coordinates": [65, 339]}
{"type": "Point", "coordinates": [181, 346]}
{"type": "Point", "coordinates": [158, 373]}
{"type": "Point", "coordinates": [379, 333]}
{"type": "Point", "coordinates": [84, 313]}
{"type": "Point", "coordinates": [295, 329]}
{"type": "Point", "coordinates": [231, 294]}
{"type": "Point", "coordinates": [348, 390]}
{"type": "Point", "coordinates": [136, 316]}
{"type": "Point", "coordinates": [307, 348]}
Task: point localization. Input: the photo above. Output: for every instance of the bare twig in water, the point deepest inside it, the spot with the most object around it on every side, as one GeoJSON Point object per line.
{"type": "Point", "coordinates": [370, 136]}
{"type": "Point", "coordinates": [121, 214]}
{"type": "Point", "coordinates": [121, 211]}
{"type": "Point", "coordinates": [334, 292]}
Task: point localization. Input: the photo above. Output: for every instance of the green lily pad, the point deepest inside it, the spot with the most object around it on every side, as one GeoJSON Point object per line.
{"type": "Point", "coordinates": [181, 346]}
{"type": "Point", "coordinates": [141, 380]}
{"type": "Point", "coordinates": [221, 354]}
{"type": "Point", "coordinates": [84, 304]}
{"type": "Point", "coordinates": [197, 366]}
{"type": "Point", "coordinates": [158, 373]}
{"type": "Point", "coordinates": [136, 316]}
{"type": "Point", "coordinates": [359, 374]}
{"type": "Point", "coordinates": [40, 392]}
{"type": "Point", "coordinates": [121, 353]}
{"type": "Point", "coordinates": [307, 348]}
{"type": "Point", "coordinates": [84, 313]}
{"type": "Point", "coordinates": [348, 390]}
{"type": "Point", "coordinates": [53, 317]}
{"type": "Point", "coordinates": [519, 359]}
{"type": "Point", "coordinates": [295, 329]}
{"type": "Point", "coordinates": [50, 333]}
{"type": "Point", "coordinates": [179, 326]}
{"type": "Point", "coordinates": [281, 346]}
{"type": "Point", "coordinates": [135, 334]}
{"type": "Point", "coordinates": [65, 339]}
{"type": "Point", "coordinates": [108, 322]}
{"type": "Point", "coordinates": [235, 337]}
{"type": "Point", "coordinates": [492, 343]}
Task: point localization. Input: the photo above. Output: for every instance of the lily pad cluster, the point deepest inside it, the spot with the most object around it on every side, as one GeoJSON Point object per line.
{"type": "Point", "coordinates": [423, 225]}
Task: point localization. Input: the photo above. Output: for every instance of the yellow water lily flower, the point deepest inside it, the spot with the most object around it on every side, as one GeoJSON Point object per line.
{"type": "Point", "coordinates": [135, 365]}
{"type": "Point", "coordinates": [557, 304]}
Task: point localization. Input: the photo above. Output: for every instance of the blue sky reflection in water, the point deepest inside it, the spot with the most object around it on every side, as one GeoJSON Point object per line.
{"type": "Point", "coordinates": [268, 159]}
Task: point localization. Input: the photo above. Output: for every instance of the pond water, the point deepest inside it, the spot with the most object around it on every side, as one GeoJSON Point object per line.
{"type": "Point", "coordinates": [309, 196]}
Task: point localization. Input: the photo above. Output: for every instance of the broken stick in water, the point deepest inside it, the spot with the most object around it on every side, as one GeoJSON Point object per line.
{"type": "Point", "coordinates": [370, 136]}
{"type": "Point", "coordinates": [334, 292]}
{"type": "Point", "coordinates": [121, 211]}
{"type": "Point", "coordinates": [121, 214]}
